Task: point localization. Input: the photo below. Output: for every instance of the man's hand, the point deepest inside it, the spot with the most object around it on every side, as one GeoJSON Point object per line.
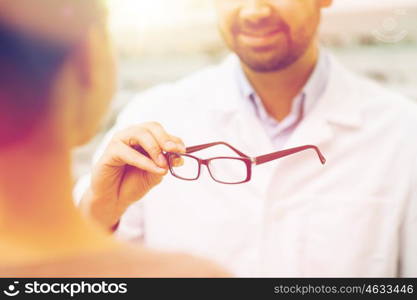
{"type": "Point", "coordinates": [124, 174]}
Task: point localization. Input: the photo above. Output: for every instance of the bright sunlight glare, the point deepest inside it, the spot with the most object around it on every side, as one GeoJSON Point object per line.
{"type": "Point", "coordinates": [142, 14]}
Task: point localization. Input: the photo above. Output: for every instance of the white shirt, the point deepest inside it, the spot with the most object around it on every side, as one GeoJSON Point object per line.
{"type": "Point", "coordinates": [354, 217]}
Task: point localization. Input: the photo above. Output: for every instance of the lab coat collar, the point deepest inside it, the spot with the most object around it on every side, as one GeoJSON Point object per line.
{"type": "Point", "coordinates": [338, 105]}
{"type": "Point", "coordinates": [341, 103]}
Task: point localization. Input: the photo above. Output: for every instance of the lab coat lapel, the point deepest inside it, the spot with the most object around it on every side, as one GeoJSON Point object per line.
{"type": "Point", "coordinates": [337, 111]}
{"type": "Point", "coordinates": [338, 107]}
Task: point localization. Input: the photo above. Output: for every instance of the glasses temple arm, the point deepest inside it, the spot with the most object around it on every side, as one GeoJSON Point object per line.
{"type": "Point", "coordinates": [276, 155]}
{"type": "Point", "coordinates": [205, 146]}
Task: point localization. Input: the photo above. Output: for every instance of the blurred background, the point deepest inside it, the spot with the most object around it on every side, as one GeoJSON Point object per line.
{"type": "Point", "coordinates": [164, 40]}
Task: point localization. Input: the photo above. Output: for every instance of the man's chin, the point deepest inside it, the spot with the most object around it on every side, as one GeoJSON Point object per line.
{"type": "Point", "coordinates": [266, 64]}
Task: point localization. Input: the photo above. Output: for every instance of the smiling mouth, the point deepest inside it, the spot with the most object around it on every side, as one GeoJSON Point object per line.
{"type": "Point", "coordinates": [260, 39]}
{"type": "Point", "coordinates": [258, 34]}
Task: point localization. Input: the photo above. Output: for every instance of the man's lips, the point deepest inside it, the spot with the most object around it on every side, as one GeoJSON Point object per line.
{"type": "Point", "coordinates": [261, 39]}
{"type": "Point", "coordinates": [260, 34]}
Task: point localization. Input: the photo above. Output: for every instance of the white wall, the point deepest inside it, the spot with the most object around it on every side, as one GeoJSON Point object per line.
{"type": "Point", "coordinates": [370, 4]}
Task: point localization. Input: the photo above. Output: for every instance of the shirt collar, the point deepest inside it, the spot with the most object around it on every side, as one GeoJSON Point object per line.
{"type": "Point", "coordinates": [305, 100]}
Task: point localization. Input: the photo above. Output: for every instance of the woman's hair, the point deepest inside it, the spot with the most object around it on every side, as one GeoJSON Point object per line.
{"type": "Point", "coordinates": [31, 53]}
{"type": "Point", "coordinates": [27, 69]}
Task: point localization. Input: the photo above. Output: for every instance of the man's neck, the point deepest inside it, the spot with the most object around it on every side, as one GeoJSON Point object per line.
{"type": "Point", "coordinates": [37, 214]}
{"type": "Point", "coordinates": [277, 90]}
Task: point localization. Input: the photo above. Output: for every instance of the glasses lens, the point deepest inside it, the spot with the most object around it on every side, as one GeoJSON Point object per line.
{"type": "Point", "coordinates": [228, 170]}
{"type": "Point", "coordinates": [184, 166]}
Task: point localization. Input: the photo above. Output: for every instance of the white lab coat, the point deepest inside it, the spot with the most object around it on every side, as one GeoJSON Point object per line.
{"type": "Point", "coordinates": [355, 216]}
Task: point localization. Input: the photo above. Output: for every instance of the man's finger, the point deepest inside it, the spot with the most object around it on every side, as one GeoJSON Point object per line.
{"type": "Point", "coordinates": [147, 142]}
{"type": "Point", "coordinates": [166, 141]}
{"type": "Point", "coordinates": [130, 156]}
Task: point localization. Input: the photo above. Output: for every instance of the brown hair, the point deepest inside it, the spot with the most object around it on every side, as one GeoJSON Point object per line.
{"type": "Point", "coordinates": [35, 38]}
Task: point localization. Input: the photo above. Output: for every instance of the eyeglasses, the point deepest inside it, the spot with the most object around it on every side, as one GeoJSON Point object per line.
{"type": "Point", "coordinates": [225, 170]}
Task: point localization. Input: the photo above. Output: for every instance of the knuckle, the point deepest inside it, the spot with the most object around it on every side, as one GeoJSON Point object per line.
{"type": "Point", "coordinates": [132, 141]}
{"type": "Point", "coordinates": [177, 140]}
{"type": "Point", "coordinates": [152, 125]}
{"type": "Point", "coordinates": [133, 130]}
{"type": "Point", "coordinates": [138, 130]}
{"type": "Point", "coordinates": [154, 149]}
{"type": "Point", "coordinates": [156, 124]}
{"type": "Point", "coordinates": [114, 143]}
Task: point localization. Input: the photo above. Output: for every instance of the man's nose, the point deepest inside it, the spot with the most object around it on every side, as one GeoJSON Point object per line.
{"type": "Point", "coordinates": [255, 11]}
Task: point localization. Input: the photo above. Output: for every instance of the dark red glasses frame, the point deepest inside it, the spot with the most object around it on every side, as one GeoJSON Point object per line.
{"type": "Point", "coordinates": [249, 161]}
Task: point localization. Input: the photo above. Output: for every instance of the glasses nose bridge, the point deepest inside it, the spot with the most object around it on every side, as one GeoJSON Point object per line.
{"type": "Point", "coordinates": [205, 162]}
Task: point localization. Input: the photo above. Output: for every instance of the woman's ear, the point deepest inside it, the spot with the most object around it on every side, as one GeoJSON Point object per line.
{"type": "Point", "coordinates": [82, 59]}
{"type": "Point", "coordinates": [69, 96]}
{"type": "Point", "coordinates": [82, 65]}
{"type": "Point", "coordinates": [94, 67]}
{"type": "Point", "coordinates": [326, 3]}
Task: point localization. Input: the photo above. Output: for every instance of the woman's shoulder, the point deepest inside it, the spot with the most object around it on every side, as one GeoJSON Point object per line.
{"type": "Point", "coordinates": [122, 261]}
{"type": "Point", "coordinates": [150, 263]}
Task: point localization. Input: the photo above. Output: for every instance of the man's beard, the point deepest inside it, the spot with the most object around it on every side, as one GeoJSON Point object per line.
{"type": "Point", "coordinates": [270, 61]}
{"type": "Point", "coordinates": [265, 64]}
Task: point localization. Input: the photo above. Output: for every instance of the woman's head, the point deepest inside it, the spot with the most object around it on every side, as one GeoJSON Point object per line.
{"type": "Point", "coordinates": [57, 69]}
